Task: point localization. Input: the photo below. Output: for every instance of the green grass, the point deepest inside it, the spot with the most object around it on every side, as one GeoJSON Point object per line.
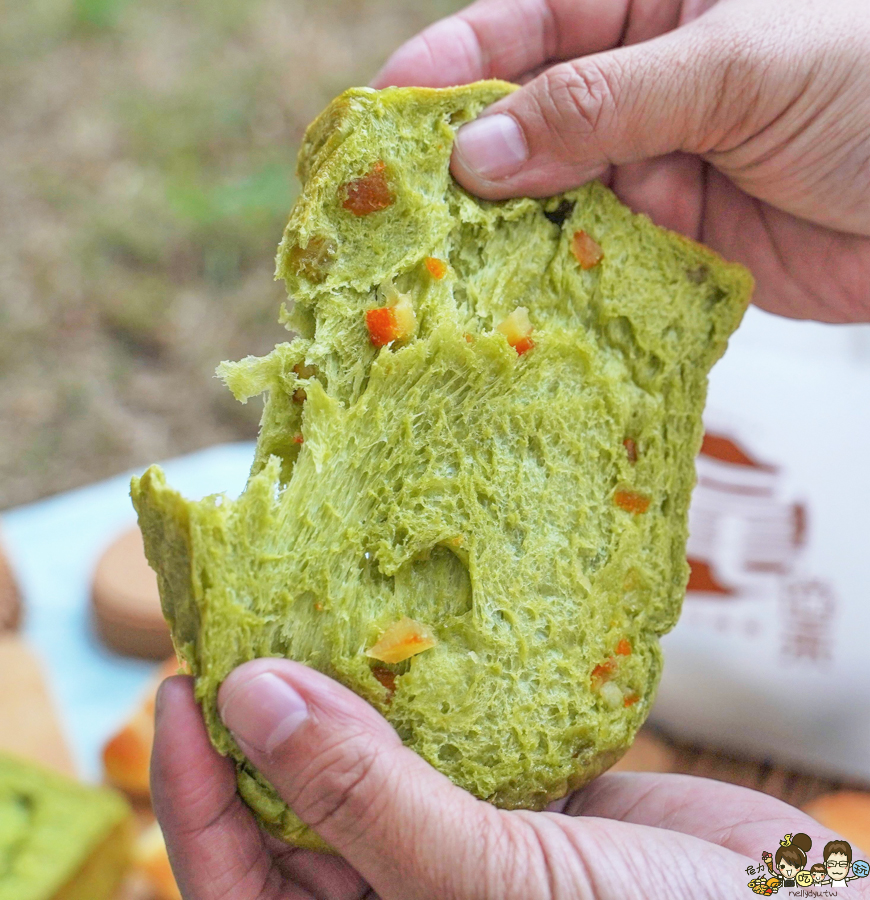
{"type": "Point", "coordinates": [98, 13]}
{"type": "Point", "coordinates": [148, 154]}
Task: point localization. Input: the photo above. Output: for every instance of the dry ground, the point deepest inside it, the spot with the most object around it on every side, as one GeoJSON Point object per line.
{"type": "Point", "coordinates": [147, 150]}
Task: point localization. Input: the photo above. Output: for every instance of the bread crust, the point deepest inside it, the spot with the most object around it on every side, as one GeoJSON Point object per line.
{"type": "Point", "coordinates": [468, 471]}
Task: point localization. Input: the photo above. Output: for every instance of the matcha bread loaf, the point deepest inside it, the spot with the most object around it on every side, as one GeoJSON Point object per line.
{"type": "Point", "coordinates": [59, 840]}
{"type": "Point", "coordinates": [469, 495]}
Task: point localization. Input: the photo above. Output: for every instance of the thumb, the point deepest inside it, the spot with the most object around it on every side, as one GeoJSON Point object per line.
{"type": "Point", "coordinates": [343, 770]}
{"type": "Point", "coordinates": [686, 90]}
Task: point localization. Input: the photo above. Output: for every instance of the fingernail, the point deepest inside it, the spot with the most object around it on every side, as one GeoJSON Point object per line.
{"type": "Point", "coordinates": [492, 147]}
{"type": "Point", "coordinates": [263, 712]}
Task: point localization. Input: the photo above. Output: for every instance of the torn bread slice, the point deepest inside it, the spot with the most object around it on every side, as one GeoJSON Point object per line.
{"type": "Point", "coordinates": [469, 497]}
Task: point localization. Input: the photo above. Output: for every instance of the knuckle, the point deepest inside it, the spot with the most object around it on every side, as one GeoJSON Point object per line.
{"type": "Point", "coordinates": [340, 785]}
{"type": "Point", "coordinates": [738, 77]}
{"type": "Point", "coordinates": [426, 49]}
{"type": "Point", "coordinates": [578, 98]}
{"type": "Point", "coordinates": [522, 860]}
{"type": "Point", "coordinates": [472, 47]}
{"type": "Point", "coordinates": [504, 850]}
{"type": "Point", "coordinates": [484, 869]}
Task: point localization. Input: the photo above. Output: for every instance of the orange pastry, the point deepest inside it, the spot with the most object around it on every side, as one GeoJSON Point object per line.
{"type": "Point", "coordinates": [847, 813]}
{"type": "Point", "coordinates": [151, 861]}
{"type": "Point", "coordinates": [647, 754]}
{"type": "Point", "coordinates": [127, 755]}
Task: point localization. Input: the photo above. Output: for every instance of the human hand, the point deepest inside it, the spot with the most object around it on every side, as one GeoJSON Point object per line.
{"type": "Point", "coordinates": [404, 831]}
{"type": "Point", "coordinates": [744, 124]}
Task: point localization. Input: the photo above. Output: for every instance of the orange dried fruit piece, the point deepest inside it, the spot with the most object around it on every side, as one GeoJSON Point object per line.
{"type": "Point", "coordinates": [631, 501]}
{"type": "Point", "coordinates": [630, 450]}
{"type": "Point", "coordinates": [517, 328]}
{"type": "Point", "coordinates": [382, 325]}
{"type": "Point", "coordinates": [402, 640]}
{"type": "Point", "coordinates": [437, 268]}
{"type": "Point", "coordinates": [604, 670]}
{"type": "Point", "coordinates": [391, 323]}
{"type": "Point", "coordinates": [523, 345]}
{"type": "Point", "coordinates": [587, 251]}
{"type": "Point", "coordinates": [623, 648]}
{"type": "Point", "coordinates": [368, 194]}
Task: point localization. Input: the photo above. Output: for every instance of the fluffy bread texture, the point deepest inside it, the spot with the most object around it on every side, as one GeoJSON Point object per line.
{"type": "Point", "coordinates": [59, 840]}
{"type": "Point", "coordinates": [528, 509]}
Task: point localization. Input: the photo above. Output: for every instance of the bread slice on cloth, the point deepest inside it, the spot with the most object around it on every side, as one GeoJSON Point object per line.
{"type": "Point", "coordinates": [59, 840]}
{"type": "Point", "coordinates": [468, 500]}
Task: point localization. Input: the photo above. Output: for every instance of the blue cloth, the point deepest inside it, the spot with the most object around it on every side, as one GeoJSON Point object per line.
{"type": "Point", "coordinates": [54, 546]}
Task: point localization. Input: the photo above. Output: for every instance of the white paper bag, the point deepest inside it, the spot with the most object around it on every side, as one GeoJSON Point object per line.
{"type": "Point", "coordinates": [771, 657]}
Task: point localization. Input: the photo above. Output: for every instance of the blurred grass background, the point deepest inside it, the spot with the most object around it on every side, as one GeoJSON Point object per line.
{"type": "Point", "coordinates": [146, 171]}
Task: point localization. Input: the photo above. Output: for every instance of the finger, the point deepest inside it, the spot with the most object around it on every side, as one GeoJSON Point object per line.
{"type": "Point", "coordinates": [669, 189]}
{"type": "Point", "coordinates": [786, 254]}
{"type": "Point", "coordinates": [206, 826]}
{"type": "Point", "coordinates": [343, 770]}
{"type": "Point", "coordinates": [733, 817]}
{"type": "Point", "coordinates": [683, 91]}
{"type": "Point", "coordinates": [611, 860]}
{"type": "Point", "coordinates": [505, 39]}
{"type": "Point", "coordinates": [325, 876]}
{"type": "Point", "coordinates": [214, 845]}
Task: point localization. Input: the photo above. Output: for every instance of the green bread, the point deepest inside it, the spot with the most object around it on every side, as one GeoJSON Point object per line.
{"type": "Point", "coordinates": [59, 840]}
{"type": "Point", "coordinates": [494, 497]}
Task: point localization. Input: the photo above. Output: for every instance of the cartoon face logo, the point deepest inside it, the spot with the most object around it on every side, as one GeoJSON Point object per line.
{"type": "Point", "coordinates": [791, 856]}
{"type": "Point", "coordinates": [818, 872]}
{"type": "Point", "coordinates": [788, 869]}
{"type": "Point", "coordinates": [836, 868]}
{"type": "Point", "coordinates": [837, 865]}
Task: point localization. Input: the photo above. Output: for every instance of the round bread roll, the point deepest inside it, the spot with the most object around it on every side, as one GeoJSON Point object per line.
{"type": "Point", "coordinates": [847, 813]}
{"type": "Point", "coordinates": [126, 601]}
